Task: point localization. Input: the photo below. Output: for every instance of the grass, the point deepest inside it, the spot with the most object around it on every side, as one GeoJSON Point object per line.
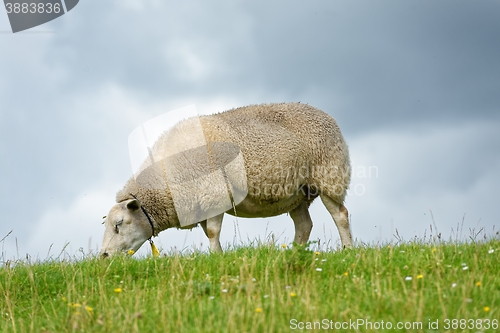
{"type": "Point", "coordinates": [445, 287]}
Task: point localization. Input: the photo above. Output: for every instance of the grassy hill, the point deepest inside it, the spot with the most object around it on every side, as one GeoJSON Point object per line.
{"type": "Point", "coordinates": [412, 287]}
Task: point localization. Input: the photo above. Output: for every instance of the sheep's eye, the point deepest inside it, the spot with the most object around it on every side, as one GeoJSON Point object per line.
{"type": "Point", "coordinates": [117, 224]}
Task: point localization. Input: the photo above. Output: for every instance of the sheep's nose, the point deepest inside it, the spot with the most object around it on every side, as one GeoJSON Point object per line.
{"type": "Point", "coordinates": [105, 254]}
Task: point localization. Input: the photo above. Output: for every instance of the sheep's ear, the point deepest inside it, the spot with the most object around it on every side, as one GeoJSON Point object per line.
{"type": "Point", "coordinates": [133, 204]}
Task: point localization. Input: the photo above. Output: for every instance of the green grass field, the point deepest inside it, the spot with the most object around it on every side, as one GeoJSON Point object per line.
{"type": "Point", "coordinates": [412, 287]}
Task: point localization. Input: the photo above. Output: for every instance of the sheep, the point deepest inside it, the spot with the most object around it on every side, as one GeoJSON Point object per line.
{"type": "Point", "coordinates": [272, 159]}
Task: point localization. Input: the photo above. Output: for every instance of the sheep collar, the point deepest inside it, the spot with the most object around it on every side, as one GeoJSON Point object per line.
{"type": "Point", "coordinates": [154, 250]}
{"type": "Point", "coordinates": [149, 218]}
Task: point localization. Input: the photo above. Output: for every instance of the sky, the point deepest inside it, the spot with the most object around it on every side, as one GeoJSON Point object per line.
{"type": "Point", "coordinates": [413, 85]}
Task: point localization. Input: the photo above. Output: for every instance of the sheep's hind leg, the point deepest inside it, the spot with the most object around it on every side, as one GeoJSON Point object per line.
{"type": "Point", "coordinates": [341, 217]}
{"type": "Point", "coordinates": [303, 223]}
{"type": "Point", "coordinates": [212, 228]}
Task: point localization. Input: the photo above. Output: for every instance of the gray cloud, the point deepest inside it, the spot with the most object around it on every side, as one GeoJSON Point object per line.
{"type": "Point", "coordinates": [426, 70]}
{"type": "Point", "coordinates": [386, 63]}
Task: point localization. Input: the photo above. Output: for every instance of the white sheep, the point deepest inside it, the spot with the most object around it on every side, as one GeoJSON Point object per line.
{"type": "Point", "coordinates": [273, 159]}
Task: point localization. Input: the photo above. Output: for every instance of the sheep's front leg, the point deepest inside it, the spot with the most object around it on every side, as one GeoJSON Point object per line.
{"type": "Point", "coordinates": [212, 227]}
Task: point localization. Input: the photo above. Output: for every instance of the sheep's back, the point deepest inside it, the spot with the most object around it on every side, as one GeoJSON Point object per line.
{"type": "Point", "coordinates": [288, 144]}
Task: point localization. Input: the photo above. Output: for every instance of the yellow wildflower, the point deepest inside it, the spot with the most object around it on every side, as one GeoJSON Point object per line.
{"type": "Point", "coordinates": [118, 290]}
{"type": "Point", "coordinates": [292, 294]}
{"type": "Point", "coordinates": [258, 310]}
{"type": "Point", "coordinates": [130, 252]}
{"type": "Point", "coordinates": [478, 284]}
{"type": "Point", "coordinates": [486, 309]}
{"type": "Point", "coordinates": [346, 274]}
{"type": "Point", "coordinates": [419, 276]}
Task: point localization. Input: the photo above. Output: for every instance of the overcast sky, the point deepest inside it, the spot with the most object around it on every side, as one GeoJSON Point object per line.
{"type": "Point", "coordinates": [414, 86]}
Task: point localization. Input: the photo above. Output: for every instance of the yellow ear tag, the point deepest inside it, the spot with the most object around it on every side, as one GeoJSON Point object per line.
{"type": "Point", "coordinates": [154, 250]}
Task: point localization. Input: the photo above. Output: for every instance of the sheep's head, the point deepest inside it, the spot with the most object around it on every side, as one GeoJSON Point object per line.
{"type": "Point", "coordinates": [127, 228]}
